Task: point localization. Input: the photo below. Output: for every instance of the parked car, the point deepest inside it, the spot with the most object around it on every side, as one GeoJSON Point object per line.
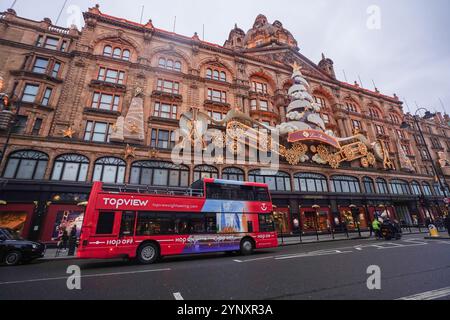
{"type": "Point", "coordinates": [14, 249]}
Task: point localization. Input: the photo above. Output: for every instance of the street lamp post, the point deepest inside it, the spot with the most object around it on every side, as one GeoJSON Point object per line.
{"type": "Point", "coordinates": [405, 125]}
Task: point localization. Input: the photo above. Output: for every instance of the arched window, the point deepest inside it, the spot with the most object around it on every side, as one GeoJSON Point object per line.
{"type": "Point", "coordinates": [126, 54]}
{"type": "Point", "coordinates": [117, 53]}
{"type": "Point", "coordinates": [209, 73]}
{"type": "Point", "coordinates": [202, 172]}
{"type": "Point", "coordinates": [26, 164]}
{"type": "Point", "coordinates": [169, 64]}
{"type": "Point", "coordinates": [70, 167]}
{"type": "Point", "coordinates": [345, 184]}
{"type": "Point", "coordinates": [382, 186]}
{"type": "Point", "coordinates": [107, 51]}
{"type": "Point", "coordinates": [394, 118]}
{"type": "Point", "coordinates": [369, 187]}
{"type": "Point", "coordinates": [162, 63]}
{"type": "Point", "coordinates": [351, 106]}
{"type": "Point", "coordinates": [158, 173]}
{"type": "Point", "coordinates": [374, 113]}
{"type": "Point", "coordinates": [234, 174]}
{"type": "Point", "coordinates": [216, 75]}
{"type": "Point", "coordinates": [277, 181]}
{"type": "Point", "coordinates": [223, 76]}
{"type": "Point", "coordinates": [399, 187]}
{"type": "Point", "coordinates": [310, 182]}
{"type": "Point", "coordinates": [110, 170]}
{"type": "Point", "coordinates": [427, 189]}
{"type": "Point", "coordinates": [177, 66]}
{"type": "Point", "coordinates": [415, 187]}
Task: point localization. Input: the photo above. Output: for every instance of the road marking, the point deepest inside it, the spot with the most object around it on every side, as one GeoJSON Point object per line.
{"type": "Point", "coordinates": [255, 259]}
{"type": "Point", "coordinates": [85, 276]}
{"type": "Point", "coordinates": [312, 254]}
{"type": "Point", "coordinates": [178, 296]}
{"type": "Point", "coordinates": [429, 295]}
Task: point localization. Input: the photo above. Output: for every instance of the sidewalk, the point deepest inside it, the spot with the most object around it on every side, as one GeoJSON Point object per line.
{"type": "Point", "coordinates": [53, 254]}
{"type": "Point", "coordinates": [312, 238]}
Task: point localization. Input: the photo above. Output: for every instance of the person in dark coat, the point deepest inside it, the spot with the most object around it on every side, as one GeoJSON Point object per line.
{"type": "Point", "coordinates": [64, 239]}
{"type": "Point", "coordinates": [447, 223]}
{"type": "Point", "coordinates": [72, 241]}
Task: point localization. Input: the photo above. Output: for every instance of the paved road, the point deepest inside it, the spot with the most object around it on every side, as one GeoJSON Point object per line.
{"type": "Point", "coordinates": [412, 267]}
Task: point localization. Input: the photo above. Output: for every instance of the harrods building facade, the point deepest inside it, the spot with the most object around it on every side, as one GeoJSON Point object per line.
{"type": "Point", "coordinates": [69, 87]}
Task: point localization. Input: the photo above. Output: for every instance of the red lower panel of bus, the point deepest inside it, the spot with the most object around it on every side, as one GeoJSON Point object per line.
{"type": "Point", "coordinates": [107, 248]}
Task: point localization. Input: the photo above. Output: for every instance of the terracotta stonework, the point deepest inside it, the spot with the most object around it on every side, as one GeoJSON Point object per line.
{"type": "Point", "coordinates": [101, 66]}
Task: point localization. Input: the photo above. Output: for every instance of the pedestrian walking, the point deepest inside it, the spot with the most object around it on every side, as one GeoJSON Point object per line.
{"type": "Point", "coordinates": [370, 229]}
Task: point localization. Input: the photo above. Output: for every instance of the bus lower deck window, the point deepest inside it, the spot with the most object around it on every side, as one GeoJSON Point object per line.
{"type": "Point", "coordinates": [105, 223]}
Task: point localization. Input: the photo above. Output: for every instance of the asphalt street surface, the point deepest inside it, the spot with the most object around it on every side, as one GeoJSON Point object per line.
{"type": "Point", "coordinates": [410, 268]}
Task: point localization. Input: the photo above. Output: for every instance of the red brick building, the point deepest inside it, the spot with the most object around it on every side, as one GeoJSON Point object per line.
{"type": "Point", "coordinates": [69, 87]}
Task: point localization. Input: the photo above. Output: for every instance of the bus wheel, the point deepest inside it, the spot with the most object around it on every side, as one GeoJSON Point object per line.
{"type": "Point", "coordinates": [148, 253]}
{"type": "Point", "coordinates": [247, 247]}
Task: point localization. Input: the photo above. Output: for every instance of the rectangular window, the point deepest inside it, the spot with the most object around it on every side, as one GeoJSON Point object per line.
{"type": "Point", "coordinates": [111, 76]}
{"type": "Point", "coordinates": [266, 223]}
{"type": "Point", "coordinates": [37, 127]}
{"type": "Point", "coordinates": [105, 223]}
{"type": "Point", "coordinates": [30, 92]}
{"type": "Point", "coordinates": [40, 41]}
{"type": "Point", "coordinates": [64, 46]}
{"type": "Point", "coordinates": [217, 95]}
{"type": "Point", "coordinates": [40, 65]}
{"type": "Point", "coordinates": [259, 87]}
{"type": "Point", "coordinates": [55, 71]}
{"type": "Point", "coordinates": [326, 118]}
{"type": "Point", "coordinates": [218, 116]}
{"type": "Point", "coordinates": [150, 223]}
{"type": "Point", "coordinates": [163, 139]}
{"type": "Point", "coordinates": [20, 125]}
{"type": "Point", "coordinates": [51, 43]}
{"type": "Point", "coordinates": [168, 86]}
{"type": "Point", "coordinates": [105, 101]}
{"type": "Point", "coordinates": [356, 124]}
{"type": "Point", "coordinates": [264, 105]}
{"type": "Point", "coordinates": [127, 224]}
{"type": "Point", "coordinates": [253, 104]}
{"type": "Point", "coordinates": [97, 131]}
{"type": "Point", "coordinates": [406, 149]}
{"type": "Point", "coordinates": [46, 97]}
{"type": "Point", "coordinates": [164, 110]}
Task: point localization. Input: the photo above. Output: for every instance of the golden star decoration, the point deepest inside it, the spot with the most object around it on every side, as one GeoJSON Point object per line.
{"type": "Point", "coordinates": [68, 133]}
{"type": "Point", "coordinates": [153, 153]}
{"type": "Point", "coordinates": [130, 152]}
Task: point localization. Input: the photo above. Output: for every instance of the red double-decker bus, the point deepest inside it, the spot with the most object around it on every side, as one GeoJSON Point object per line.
{"type": "Point", "coordinates": [149, 223]}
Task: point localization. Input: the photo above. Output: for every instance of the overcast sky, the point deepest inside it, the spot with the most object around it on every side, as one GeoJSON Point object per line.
{"type": "Point", "coordinates": [406, 51]}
